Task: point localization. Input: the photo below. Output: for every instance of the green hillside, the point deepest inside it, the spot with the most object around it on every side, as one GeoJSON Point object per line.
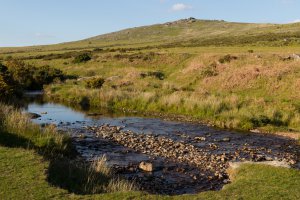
{"type": "Point", "coordinates": [201, 31]}
{"type": "Point", "coordinates": [186, 32]}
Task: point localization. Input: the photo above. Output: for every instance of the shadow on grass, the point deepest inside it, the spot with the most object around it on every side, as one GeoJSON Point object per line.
{"type": "Point", "coordinates": [15, 141]}
{"type": "Point", "coordinates": [63, 171]}
{"type": "Point", "coordinates": [78, 178]}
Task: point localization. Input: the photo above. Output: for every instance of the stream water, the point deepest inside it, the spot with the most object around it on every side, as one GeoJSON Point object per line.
{"type": "Point", "coordinates": [172, 177]}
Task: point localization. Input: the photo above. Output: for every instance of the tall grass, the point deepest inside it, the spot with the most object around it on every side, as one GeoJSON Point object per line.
{"type": "Point", "coordinates": [87, 178]}
{"type": "Point", "coordinates": [115, 183]}
{"type": "Point", "coordinates": [17, 130]}
{"type": "Point", "coordinates": [250, 91]}
{"type": "Point", "coordinates": [47, 140]}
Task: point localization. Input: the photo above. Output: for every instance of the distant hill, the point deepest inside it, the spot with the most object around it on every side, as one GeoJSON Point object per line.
{"type": "Point", "coordinates": [193, 32]}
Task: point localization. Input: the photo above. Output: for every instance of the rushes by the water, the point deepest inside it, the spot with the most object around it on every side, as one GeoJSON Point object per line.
{"type": "Point", "coordinates": [46, 140]}
{"type": "Point", "coordinates": [102, 179]}
{"type": "Point", "coordinates": [17, 130]}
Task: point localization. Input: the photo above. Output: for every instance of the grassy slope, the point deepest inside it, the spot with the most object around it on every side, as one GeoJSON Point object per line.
{"type": "Point", "coordinates": [201, 32]}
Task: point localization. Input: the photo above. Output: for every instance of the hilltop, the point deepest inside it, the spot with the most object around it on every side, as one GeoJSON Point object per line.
{"type": "Point", "coordinates": [189, 32]}
{"type": "Point", "coordinates": [184, 32]}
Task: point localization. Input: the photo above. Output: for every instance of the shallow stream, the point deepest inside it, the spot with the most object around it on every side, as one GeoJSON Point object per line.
{"type": "Point", "coordinates": [172, 176]}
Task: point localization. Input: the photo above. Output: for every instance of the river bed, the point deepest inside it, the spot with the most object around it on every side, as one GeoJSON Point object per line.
{"type": "Point", "coordinates": [172, 146]}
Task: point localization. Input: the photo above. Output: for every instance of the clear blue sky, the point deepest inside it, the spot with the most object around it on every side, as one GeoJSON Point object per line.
{"type": "Point", "coordinates": [32, 22]}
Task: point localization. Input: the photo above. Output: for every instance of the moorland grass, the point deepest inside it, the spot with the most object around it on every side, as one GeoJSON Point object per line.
{"type": "Point", "coordinates": [251, 91]}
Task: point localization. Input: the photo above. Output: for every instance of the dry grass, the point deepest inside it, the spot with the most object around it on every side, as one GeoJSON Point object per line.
{"type": "Point", "coordinates": [235, 95]}
{"type": "Point", "coordinates": [100, 178]}
{"type": "Point", "coordinates": [46, 140]}
{"type": "Point", "coordinates": [17, 130]}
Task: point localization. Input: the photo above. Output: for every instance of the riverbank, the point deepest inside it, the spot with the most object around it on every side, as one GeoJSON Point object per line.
{"type": "Point", "coordinates": [23, 175]}
{"type": "Point", "coordinates": [76, 102]}
{"type": "Point", "coordinates": [182, 151]}
{"type": "Point", "coordinates": [55, 154]}
{"type": "Point", "coordinates": [24, 166]}
{"type": "Point", "coordinates": [243, 91]}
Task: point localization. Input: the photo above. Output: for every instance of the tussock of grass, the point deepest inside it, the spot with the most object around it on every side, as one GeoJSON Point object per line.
{"type": "Point", "coordinates": [83, 178]}
{"type": "Point", "coordinates": [47, 140]}
{"type": "Point", "coordinates": [120, 185]}
{"type": "Point", "coordinates": [16, 130]}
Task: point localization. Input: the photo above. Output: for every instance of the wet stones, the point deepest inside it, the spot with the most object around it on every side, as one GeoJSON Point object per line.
{"type": "Point", "coordinates": [208, 158]}
{"type": "Point", "coordinates": [165, 147]}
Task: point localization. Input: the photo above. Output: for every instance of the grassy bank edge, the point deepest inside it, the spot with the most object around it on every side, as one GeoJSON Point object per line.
{"type": "Point", "coordinates": [64, 169]}
{"type": "Point", "coordinates": [23, 175]}
{"type": "Point", "coordinates": [76, 100]}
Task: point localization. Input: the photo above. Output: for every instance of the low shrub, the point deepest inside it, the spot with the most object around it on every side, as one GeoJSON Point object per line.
{"type": "Point", "coordinates": [98, 50]}
{"type": "Point", "coordinates": [94, 83]}
{"type": "Point", "coordinates": [261, 120]}
{"type": "Point", "coordinates": [159, 75]}
{"type": "Point", "coordinates": [209, 71]}
{"type": "Point", "coordinates": [7, 84]}
{"type": "Point", "coordinates": [82, 58]}
{"type": "Point", "coordinates": [29, 77]}
{"type": "Point", "coordinates": [227, 58]}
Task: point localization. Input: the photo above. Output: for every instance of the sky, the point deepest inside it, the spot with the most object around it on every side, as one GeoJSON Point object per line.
{"type": "Point", "coordinates": [36, 22]}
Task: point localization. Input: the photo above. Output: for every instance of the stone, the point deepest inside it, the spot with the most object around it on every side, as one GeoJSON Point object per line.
{"type": "Point", "coordinates": [236, 165]}
{"type": "Point", "coordinates": [255, 131]}
{"type": "Point", "coordinates": [200, 138]}
{"type": "Point", "coordinates": [33, 115]}
{"type": "Point", "coordinates": [226, 181]}
{"type": "Point", "coordinates": [226, 139]}
{"type": "Point", "coordinates": [82, 136]}
{"type": "Point", "coordinates": [93, 114]}
{"type": "Point", "coordinates": [147, 166]}
{"type": "Point", "coordinates": [295, 56]}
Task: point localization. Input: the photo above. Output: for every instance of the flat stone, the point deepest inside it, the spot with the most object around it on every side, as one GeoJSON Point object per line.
{"type": "Point", "coordinates": [275, 163]}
